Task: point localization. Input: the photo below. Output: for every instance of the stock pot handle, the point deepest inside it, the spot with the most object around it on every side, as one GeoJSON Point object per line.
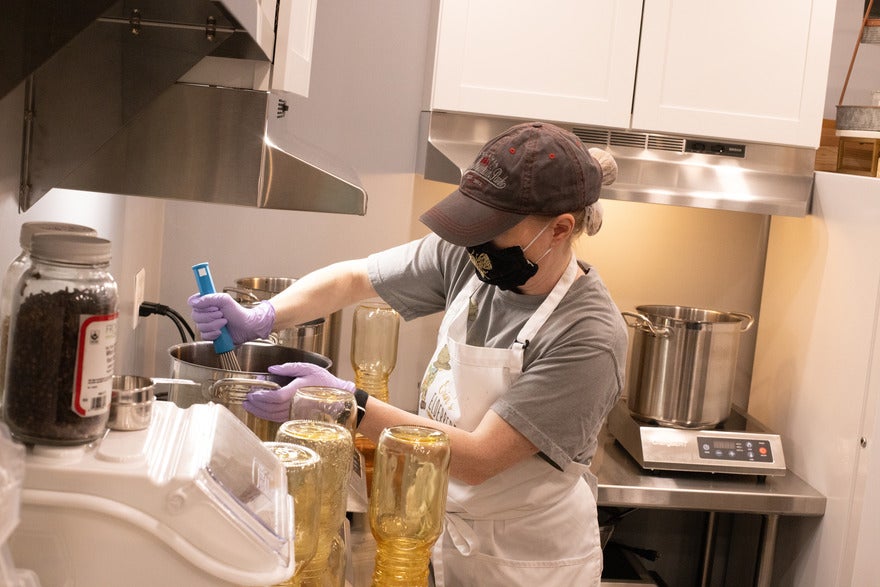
{"type": "Point", "coordinates": [221, 384]}
{"type": "Point", "coordinates": [747, 317]}
{"type": "Point", "coordinates": [170, 389]}
{"type": "Point", "coordinates": [641, 319]}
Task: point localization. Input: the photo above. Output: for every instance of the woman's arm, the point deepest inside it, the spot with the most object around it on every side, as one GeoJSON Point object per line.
{"type": "Point", "coordinates": [322, 292]}
{"type": "Point", "coordinates": [476, 456]}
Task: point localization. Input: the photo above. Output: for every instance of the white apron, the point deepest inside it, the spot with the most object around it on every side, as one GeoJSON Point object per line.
{"type": "Point", "coordinates": [531, 524]}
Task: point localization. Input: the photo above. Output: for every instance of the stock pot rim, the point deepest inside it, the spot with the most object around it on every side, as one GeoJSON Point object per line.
{"type": "Point", "coordinates": [690, 314]}
{"type": "Point", "coordinates": [306, 356]}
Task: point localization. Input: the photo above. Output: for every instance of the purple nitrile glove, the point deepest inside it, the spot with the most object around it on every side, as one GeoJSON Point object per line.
{"type": "Point", "coordinates": [211, 312]}
{"type": "Point", "coordinates": [274, 404]}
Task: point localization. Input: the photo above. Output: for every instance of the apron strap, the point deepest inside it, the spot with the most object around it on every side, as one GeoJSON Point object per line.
{"type": "Point", "coordinates": [462, 299]}
{"type": "Point", "coordinates": [536, 321]}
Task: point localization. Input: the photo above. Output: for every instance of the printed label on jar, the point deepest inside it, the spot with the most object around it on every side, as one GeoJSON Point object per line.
{"type": "Point", "coordinates": [96, 348]}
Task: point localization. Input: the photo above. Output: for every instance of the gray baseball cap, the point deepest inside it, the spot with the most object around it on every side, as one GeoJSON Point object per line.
{"type": "Point", "coordinates": [531, 168]}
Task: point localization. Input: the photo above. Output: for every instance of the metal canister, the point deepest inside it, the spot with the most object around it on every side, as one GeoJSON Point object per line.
{"type": "Point", "coordinates": [131, 403]}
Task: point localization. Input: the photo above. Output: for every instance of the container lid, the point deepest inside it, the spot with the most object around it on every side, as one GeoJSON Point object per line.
{"type": "Point", "coordinates": [28, 229]}
{"type": "Point", "coordinates": [79, 249]}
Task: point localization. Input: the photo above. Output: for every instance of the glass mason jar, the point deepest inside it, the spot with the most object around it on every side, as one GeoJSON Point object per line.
{"type": "Point", "coordinates": [334, 446]}
{"type": "Point", "coordinates": [303, 468]}
{"type": "Point", "coordinates": [325, 404]}
{"type": "Point", "coordinates": [375, 330]}
{"type": "Point", "coordinates": [231, 395]}
{"type": "Point", "coordinates": [62, 342]}
{"type": "Point", "coordinates": [374, 333]}
{"type": "Point", "coordinates": [17, 268]}
{"type": "Point", "coordinates": [407, 503]}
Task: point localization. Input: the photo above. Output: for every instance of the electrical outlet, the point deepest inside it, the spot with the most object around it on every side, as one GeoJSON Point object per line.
{"type": "Point", "coordinates": [139, 280]}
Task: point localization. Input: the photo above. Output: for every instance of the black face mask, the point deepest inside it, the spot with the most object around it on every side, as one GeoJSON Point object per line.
{"type": "Point", "coordinates": [506, 268]}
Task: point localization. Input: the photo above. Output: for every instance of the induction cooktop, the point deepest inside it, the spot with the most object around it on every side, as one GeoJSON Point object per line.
{"type": "Point", "coordinates": [739, 445]}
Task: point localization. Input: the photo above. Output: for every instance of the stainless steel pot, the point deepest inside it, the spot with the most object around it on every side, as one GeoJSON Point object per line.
{"type": "Point", "coordinates": [198, 377]}
{"type": "Point", "coordinates": [318, 336]}
{"type": "Point", "coordinates": [683, 363]}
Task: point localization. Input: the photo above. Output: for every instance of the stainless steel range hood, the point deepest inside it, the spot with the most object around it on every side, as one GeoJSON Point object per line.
{"type": "Point", "coordinates": [688, 171]}
{"type": "Point", "coordinates": [163, 98]}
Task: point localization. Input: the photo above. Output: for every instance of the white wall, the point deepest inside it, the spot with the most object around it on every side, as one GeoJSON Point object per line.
{"type": "Point", "coordinates": [816, 373]}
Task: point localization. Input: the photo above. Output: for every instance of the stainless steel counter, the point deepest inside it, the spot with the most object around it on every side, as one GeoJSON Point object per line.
{"type": "Point", "coordinates": [623, 483]}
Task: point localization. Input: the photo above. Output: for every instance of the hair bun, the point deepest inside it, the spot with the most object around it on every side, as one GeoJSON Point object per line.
{"type": "Point", "coordinates": [593, 218]}
{"type": "Point", "coordinates": [606, 162]}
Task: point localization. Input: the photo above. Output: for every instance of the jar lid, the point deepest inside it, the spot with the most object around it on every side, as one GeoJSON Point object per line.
{"type": "Point", "coordinates": [66, 247]}
{"type": "Point", "coordinates": [29, 229]}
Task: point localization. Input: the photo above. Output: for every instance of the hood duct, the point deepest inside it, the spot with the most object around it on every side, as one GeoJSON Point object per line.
{"type": "Point", "coordinates": [111, 105]}
{"type": "Point", "coordinates": [687, 171]}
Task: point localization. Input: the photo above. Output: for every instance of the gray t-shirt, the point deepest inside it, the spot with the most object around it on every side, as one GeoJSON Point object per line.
{"type": "Point", "coordinates": [573, 370]}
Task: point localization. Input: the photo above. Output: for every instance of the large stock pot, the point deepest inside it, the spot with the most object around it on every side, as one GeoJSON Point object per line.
{"type": "Point", "coordinates": [682, 364]}
{"type": "Point", "coordinates": [198, 377]}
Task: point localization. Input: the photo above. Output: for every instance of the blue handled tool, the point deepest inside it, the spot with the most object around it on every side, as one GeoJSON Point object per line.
{"type": "Point", "coordinates": [223, 345]}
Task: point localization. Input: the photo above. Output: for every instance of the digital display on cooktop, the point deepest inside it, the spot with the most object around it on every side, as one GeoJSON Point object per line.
{"type": "Point", "coordinates": [735, 449]}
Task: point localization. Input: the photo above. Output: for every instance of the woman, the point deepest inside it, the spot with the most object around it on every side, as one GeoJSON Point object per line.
{"type": "Point", "coordinates": [529, 359]}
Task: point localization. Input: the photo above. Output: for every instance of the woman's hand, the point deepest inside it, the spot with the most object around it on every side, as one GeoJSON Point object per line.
{"type": "Point", "coordinates": [274, 404]}
{"type": "Point", "coordinates": [211, 312]}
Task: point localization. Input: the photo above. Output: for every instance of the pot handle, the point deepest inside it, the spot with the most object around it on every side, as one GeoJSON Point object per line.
{"type": "Point", "coordinates": [747, 317]}
{"type": "Point", "coordinates": [642, 320]}
{"type": "Point", "coordinates": [180, 392]}
{"type": "Point", "coordinates": [230, 382]}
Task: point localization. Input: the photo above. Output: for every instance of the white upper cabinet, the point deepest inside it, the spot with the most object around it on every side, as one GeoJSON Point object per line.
{"type": "Point", "coordinates": [750, 70]}
{"type": "Point", "coordinates": [568, 60]}
{"type": "Point", "coordinates": [292, 71]}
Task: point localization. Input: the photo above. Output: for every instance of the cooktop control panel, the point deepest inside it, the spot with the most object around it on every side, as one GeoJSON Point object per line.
{"type": "Point", "coordinates": [735, 449]}
{"type": "Point", "coordinates": [744, 448]}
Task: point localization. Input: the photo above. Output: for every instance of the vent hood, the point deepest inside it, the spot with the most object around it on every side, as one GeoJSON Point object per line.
{"type": "Point", "coordinates": [178, 99]}
{"type": "Point", "coordinates": [688, 171]}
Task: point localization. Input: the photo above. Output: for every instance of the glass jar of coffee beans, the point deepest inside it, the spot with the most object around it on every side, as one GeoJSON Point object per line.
{"type": "Point", "coordinates": [62, 342]}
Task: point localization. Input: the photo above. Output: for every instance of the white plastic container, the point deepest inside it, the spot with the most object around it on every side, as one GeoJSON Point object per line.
{"type": "Point", "coordinates": [11, 476]}
{"type": "Point", "coordinates": [195, 499]}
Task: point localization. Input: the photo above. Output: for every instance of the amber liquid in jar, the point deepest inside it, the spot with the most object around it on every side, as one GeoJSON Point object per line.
{"type": "Point", "coordinates": [302, 466]}
{"type": "Point", "coordinates": [334, 446]}
{"type": "Point", "coordinates": [407, 503]}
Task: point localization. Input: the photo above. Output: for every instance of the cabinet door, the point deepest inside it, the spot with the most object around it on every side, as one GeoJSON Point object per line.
{"type": "Point", "coordinates": [566, 60]}
{"type": "Point", "coordinates": [293, 46]}
{"type": "Point", "coordinates": [751, 70]}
